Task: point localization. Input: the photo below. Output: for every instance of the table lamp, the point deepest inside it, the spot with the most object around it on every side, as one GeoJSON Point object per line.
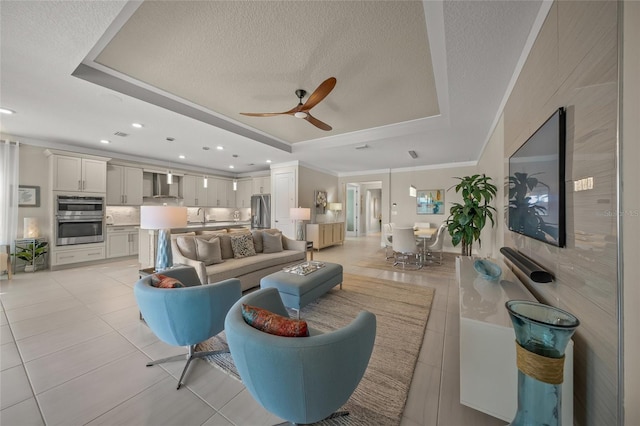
{"type": "Point", "coordinates": [299, 214]}
{"type": "Point", "coordinates": [336, 207]}
{"type": "Point", "coordinates": [163, 218]}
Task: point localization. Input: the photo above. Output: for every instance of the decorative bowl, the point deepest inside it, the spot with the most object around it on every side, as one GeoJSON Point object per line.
{"type": "Point", "coordinates": [487, 269]}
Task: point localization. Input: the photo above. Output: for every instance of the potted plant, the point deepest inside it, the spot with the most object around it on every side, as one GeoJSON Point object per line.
{"type": "Point", "coordinates": [31, 253]}
{"type": "Point", "coordinates": [467, 219]}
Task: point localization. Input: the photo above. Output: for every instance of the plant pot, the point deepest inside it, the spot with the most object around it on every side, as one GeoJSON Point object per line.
{"type": "Point", "coordinates": [29, 268]}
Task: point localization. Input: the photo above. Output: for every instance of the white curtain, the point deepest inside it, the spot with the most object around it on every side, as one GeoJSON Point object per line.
{"type": "Point", "coordinates": [9, 174]}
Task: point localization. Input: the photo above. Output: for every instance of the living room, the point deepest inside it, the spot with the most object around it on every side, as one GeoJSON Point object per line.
{"type": "Point", "coordinates": [574, 62]}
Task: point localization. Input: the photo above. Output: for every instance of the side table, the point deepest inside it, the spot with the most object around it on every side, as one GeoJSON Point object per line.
{"type": "Point", "coordinates": [30, 253]}
{"type": "Point", "coordinates": [310, 249]}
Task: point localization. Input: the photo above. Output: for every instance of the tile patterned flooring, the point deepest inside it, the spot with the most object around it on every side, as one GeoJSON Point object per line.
{"type": "Point", "coordinates": [73, 353]}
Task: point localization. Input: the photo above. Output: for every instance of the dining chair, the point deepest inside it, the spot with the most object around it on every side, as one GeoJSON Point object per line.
{"type": "Point", "coordinates": [387, 239]}
{"type": "Point", "coordinates": [437, 244]}
{"type": "Point", "coordinates": [406, 249]}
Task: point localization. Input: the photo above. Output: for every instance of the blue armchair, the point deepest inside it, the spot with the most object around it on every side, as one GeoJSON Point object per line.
{"type": "Point", "coordinates": [185, 316]}
{"type": "Point", "coordinates": [300, 379]}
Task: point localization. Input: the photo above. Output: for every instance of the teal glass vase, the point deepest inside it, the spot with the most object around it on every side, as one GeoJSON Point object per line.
{"type": "Point", "coordinates": [542, 335]}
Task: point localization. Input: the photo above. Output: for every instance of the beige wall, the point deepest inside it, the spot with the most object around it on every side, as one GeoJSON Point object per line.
{"type": "Point", "coordinates": [310, 181]}
{"type": "Point", "coordinates": [34, 171]}
{"type": "Point", "coordinates": [491, 163]}
{"type": "Point", "coordinates": [573, 63]}
{"type": "Point", "coordinates": [631, 206]}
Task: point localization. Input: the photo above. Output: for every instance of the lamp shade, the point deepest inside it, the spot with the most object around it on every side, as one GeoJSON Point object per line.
{"type": "Point", "coordinates": [300, 213]}
{"type": "Point", "coordinates": [335, 206]}
{"type": "Point", "coordinates": [162, 217]}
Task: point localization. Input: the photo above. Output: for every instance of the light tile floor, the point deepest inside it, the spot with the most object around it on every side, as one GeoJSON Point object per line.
{"type": "Point", "coordinates": [73, 353]}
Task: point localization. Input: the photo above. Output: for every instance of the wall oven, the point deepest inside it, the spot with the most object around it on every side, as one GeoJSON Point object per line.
{"type": "Point", "coordinates": [79, 220]}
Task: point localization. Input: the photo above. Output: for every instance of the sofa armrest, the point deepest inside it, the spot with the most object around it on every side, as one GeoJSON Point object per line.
{"type": "Point", "coordinates": [289, 244]}
{"type": "Point", "coordinates": [199, 266]}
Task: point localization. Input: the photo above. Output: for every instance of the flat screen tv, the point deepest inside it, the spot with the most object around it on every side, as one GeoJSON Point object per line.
{"type": "Point", "coordinates": [536, 184]}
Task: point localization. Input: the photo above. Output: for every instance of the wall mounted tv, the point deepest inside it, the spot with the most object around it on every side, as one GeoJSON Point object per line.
{"type": "Point", "coordinates": [536, 183]}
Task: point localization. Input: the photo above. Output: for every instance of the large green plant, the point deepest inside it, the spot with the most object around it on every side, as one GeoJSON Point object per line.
{"type": "Point", "coordinates": [467, 219]}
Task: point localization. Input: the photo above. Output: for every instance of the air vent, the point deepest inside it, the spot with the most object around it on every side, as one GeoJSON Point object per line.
{"type": "Point", "coordinates": [413, 154]}
{"type": "Point", "coordinates": [121, 134]}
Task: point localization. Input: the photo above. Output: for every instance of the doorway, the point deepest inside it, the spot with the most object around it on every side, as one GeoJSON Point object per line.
{"type": "Point", "coordinates": [353, 209]}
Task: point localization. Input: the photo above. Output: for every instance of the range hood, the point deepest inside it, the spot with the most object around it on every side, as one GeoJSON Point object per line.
{"type": "Point", "coordinates": [161, 189]}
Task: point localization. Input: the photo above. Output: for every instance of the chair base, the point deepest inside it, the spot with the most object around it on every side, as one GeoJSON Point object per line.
{"type": "Point", "coordinates": [332, 416]}
{"type": "Point", "coordinates": [190, 356]}
{"type": "Point", "coordinates": [402, 260]}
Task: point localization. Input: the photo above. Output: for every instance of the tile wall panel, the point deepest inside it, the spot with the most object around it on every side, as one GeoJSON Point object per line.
{"type": "Point", "coordinates": [573, 63]}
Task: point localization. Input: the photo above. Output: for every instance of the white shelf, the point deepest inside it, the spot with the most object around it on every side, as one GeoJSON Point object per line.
{"type": "Point", "coordinates": [488, 372]}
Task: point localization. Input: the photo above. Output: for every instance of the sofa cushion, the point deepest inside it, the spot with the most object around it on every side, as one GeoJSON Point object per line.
{"type": "Point", "coordinates": [163, 281]}
{"type": "Point", "coordinates": [187, 246]}
{"type": "Point", "coordinates": [271, 323]}
{"type": "Point", "coordinates": [208, 251]}
{"type": "Point", "coordinates": [242, 245]}
{"type": "Point", "coordinates": [257, 240]}
{"type": "Point", "coordinates": [271, 243]}
{"type": "Point", "coordinates": [234, 268]}
{"type": "Point", "coordinates": [225, 246]}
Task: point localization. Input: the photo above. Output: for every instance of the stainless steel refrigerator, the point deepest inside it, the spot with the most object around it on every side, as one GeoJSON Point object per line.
{"type": "Point", "coordinates": [260, 211]}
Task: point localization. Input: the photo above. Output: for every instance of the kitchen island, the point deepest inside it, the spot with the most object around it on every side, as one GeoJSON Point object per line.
{"type": "Point", "coordinates": [148, 238]}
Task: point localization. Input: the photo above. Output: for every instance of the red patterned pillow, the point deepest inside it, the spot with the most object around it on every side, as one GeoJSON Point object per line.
{"type": "Point", "coordinates": [163, 281]}
{"type": "Point", "coordinates": [271, 323]}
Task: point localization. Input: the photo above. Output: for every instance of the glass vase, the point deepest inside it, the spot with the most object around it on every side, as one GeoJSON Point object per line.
{"type": "Point", "coordinates": [542, 335]}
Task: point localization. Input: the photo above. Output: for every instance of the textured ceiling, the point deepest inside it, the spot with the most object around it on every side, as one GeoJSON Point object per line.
{"type": "Point", "coordinates": [474, 48]}
{"type": "Point", "coordinates": [232, 57]}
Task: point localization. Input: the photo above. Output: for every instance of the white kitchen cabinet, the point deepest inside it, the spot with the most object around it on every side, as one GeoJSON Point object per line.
{"type": "Point", "coordinates": [124, 185]}
{"type": "Point", "coordinates": [325, 234]}
{"type": "Point", "coordinates": [262, 185]}
{"type": "Point", "coordinates": [194, 194]}
{"type": "Point", "coordinates": [221, 193]}
{"type": "Point", "coordinates": [77, 254]}
{"type": "Point", "coordinates": [122, 241]}
{"type": "Point", "coordinates": [78, 174]}
{"type": "Point", "coordinates": [243, 194]}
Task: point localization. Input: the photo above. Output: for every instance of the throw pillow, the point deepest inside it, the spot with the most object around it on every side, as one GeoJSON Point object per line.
{"type": "Point", "coordinates": [187, 247]}
{"type": "Point", "coordinates": [225, 246]}
{"type": "Point", "coordinates": [271, 323]}
{"type": "Point", "coordinates": [242, 246]}
{"type": "Point", "coordinates": [209, 251]}
{"type": "Point", "coordinates": [271, 243]}
{"type": "Point", "coordinates": [257, 240]}
{"type": "Point", "coordinates": [163, 281]}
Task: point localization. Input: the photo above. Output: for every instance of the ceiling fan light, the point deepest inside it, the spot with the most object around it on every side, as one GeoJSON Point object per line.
{"type": "Point", "coordinates": [300, 114]}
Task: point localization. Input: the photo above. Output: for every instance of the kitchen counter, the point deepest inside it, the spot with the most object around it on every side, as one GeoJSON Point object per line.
{"type": "Point", "coordinates": [198, 226]}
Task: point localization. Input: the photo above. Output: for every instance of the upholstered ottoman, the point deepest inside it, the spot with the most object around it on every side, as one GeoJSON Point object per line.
{"type": "Point", "coordinates": [297, 291]}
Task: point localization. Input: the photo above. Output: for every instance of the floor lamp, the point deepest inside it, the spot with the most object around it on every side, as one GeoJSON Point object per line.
{"type": "Point", "coordinates": [163, 218]}
{"type": "Point", "coordinates": [300, 214]}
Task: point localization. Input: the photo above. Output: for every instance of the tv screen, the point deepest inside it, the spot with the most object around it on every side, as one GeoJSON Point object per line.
{"type": "Point", "coordinates": [536, 184]}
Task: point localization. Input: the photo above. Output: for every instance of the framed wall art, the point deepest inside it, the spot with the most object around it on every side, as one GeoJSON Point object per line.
{"type": "Point", "coordinates": [321, 202]}
{"type": "Point", "coordinates": [28, 196]}
{"type": "Point", "coordinates": [430, 201]}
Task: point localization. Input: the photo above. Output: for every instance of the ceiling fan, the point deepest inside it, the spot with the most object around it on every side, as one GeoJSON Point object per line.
{"type": "Point", "coordinates": [302, 111]}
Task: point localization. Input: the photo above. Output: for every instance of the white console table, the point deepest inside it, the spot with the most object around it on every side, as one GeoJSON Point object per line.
{"type": "Point", "coordinates": [488, 372]}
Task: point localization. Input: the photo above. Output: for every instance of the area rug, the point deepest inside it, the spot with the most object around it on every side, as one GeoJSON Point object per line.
{"type": "Point", "coordinates": [401, 310]}
{"type": "Point", "coordinates": [448, 264]}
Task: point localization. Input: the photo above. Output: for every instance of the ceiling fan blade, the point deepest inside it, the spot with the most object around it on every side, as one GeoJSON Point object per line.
{"type": "Point", "coordinates": [320, 93]}
{"type": "Point", "coordinates": [319, 124]}
{"type": "Point", "coordinates": [264, 114]}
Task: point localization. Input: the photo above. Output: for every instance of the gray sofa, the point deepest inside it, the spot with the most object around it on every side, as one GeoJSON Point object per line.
{"type": "Point", "coordinates": [249, 270]}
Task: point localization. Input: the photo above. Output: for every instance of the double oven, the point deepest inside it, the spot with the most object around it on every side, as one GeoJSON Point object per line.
{"type": "Point", "coordinates": [79, 220]}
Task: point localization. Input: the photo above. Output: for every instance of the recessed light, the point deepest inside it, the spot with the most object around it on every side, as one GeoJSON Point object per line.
{"type": "Point", "coordinates": [231, 167]}
{"type": "Point", "coordinates": [6, 111]}
{"type": "Point", "coordinates": [182, 157]}
{"type": "Point", "coordinates": [219, 148]}
{"type": "Point", "coordinates": [105, 141]}
{"type": "Point", "coordinates": [137, 125]}
{"type": "Point", "coordinates": [206, 148]}
{"type": "Point", "coordinates": [268, 161]}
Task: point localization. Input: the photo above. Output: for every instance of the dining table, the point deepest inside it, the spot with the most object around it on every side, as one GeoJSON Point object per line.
{"type": "Point", "coordinates": [425, 235]}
